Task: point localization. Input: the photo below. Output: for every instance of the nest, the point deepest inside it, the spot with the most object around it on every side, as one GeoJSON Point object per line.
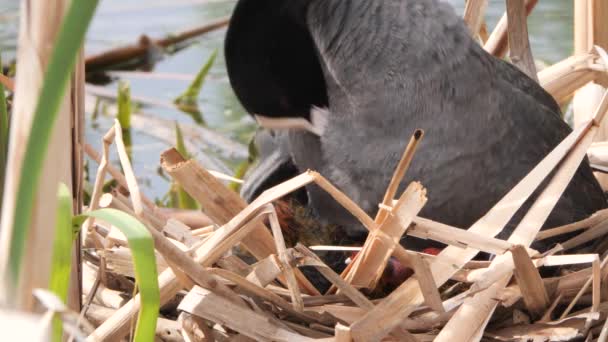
{"type": "Point", "coordinates": [209, 293]}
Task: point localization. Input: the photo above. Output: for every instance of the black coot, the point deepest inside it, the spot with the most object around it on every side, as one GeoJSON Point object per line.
{"type": "Point", "coordinates": [377, 70]}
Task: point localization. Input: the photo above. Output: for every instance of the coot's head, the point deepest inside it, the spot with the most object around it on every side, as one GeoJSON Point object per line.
{"type": "Point", "coordinates": [271, 60]}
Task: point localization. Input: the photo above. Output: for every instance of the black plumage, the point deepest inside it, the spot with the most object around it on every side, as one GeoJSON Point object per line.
{"type": "Point", "coordinates": [385, 68]}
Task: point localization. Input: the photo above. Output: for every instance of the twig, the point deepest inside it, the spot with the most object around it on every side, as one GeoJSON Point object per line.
{"type": "Point", "coordinates": [128, 170]}
{"type": "Point", "coordinates": [474, 12]}
{"type": "Point", "coordinates": [380, 244]}
{"type": "Point", "coordinates": [497, 44]}
{"type": "Point", "coordinates": [398, 174]}
{"type": "Point", "coordinates": [118, 176]}
{"type": "Point", "coordinates": [591, 221]}
{"type": "Point", "coordinates": [292, 283]}
{"type": "Point", "coordinates": [519, 42]}
{"type": "Point", "coordinates": [125, 53]}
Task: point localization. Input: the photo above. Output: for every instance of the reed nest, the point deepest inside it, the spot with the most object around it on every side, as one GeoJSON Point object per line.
{"type": "Point", "coordinates": [209, 292]}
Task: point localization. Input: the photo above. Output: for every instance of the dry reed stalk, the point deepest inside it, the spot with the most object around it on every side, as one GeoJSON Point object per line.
{"type": "Point", "coordinates": [590, 234]}
{"type": "Point", "coordinates": [221, 204]}
{"type": "Point", "coordinates": [529, 280]}
{"type": "Point", "coordinates": [604, 332]}
{"type": "Point", "coordinates": [39, 24]}
{"type": "Point", "coordinates": [206, 304]}
{"type": "Point", "coordinates": [310, 259]}
{"type": "Point", "coordinates": [594, 279]}
{"type": "Point", "coordinates": [195, 219]}
{"type": "Point", "coordinates": [117, 175]}
{"type": "Point", "coordinates": [399, 253]}
{"type": "Point", "coordinates": [128, 171]}
{"type": "Point", "coordinates": [74, 298]}
{"type": "Point", "coordinates": [562, 79]}
{"type": "Point", "coordinates": [519, 41]}
{"type": "Point", "coordinates": [264, 272]}
{"type": "Point", "coordinates": [483, 303]}
{"type": "Point", "coordinates": [431, 295]}
{"type": "Point", "coordinates": [107, 140]}
{"type": "Point", "coordinates": [194, 329]}
{"type": "Point", "coordinates": [96, 195]}
{"type": "Point", "coordinates": [589, 31]}
{"type": "Point", "coordinates": [474, 13]}
{"type": "Point", "coordinates": [599, 12]}
{"type": "Point", "coordinates": [246, 287]}
{"type": "Point", "coordinates": [101, 295]}
{"type": "Point", "coordinates": [343, 333]}
{"type": "Point", "coordinates": [399, 173]}
{"type": "Point", "coordinates": [125, 53]}
{"type": "Point", "coordinates": [380, 244]}
{"type": "Point", "coordinates": [288, 272]}
{"type": "Point", "coordinates": [428, 229]}
{"type": "Point", "coordinates": [165, 328]}
{"type": "Point", "coordinates": [497, 43]}
{"type": "Point", "coordinates": [399, 304]}
{"type": "Point", "coordinates": [591, 221]}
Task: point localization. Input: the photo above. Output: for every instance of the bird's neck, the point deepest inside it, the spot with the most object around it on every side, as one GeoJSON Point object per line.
{"type": "Point", "coordinates": [405, 36]}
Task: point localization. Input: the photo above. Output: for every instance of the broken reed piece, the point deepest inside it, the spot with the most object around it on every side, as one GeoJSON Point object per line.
{"type": "Point", "coordinates": [589, 222]}
{"type": "Point", "coordinates": [474, 13]}
{"type": "Point", "coordinates": [497, 43]}
{"type": "Point", "coordinates": [141, 48]}
{"type": "Point", "coordinates": [104, 164]}
{"type": "Point", "coordinates": [594, 278]}
{"type": "Point", "coordinates": [398, 174]}
{"type": "Point", "coordinates": [402, 302]}
{"type": "Point", "coordinates": [590, 234]}
{"type": "Point", "coordinates": [288, 272]}
{"type": "Point", "coordinates": [429, 288]}
{"type": "Point", "coordinates": [205, 304]}
{"type": "Point", "coordinates": [246, 287]}
{"type": "Point", "coordinates": [427, 229]}
{"type": "Point", "coordinates": [116, 174]}
{"type": "Point", "coordinates": [343, 333]}
{"type": "Point", "coordinates": [311, 259]}
{"type": "Point", "coordinates": [380, 244]}
{"type": "Point", "coordinates": [221, 205]}
{"type": "Point", "coordinates": [132, 186]}
{"type": "Point", "coordinates": [529, 281]}
{"type": "Point", "coordinates": [562, 79]}
{"type": "Point", "coordinates": [519, 41]}
{"type": "Point", "coordinates": [265, 271]}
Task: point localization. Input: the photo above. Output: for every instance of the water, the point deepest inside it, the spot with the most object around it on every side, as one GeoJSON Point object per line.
{"type": "Point", "coordinates": [120, 22]}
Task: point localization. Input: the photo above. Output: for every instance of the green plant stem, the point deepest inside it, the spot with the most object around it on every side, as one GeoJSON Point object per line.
{"type": "Point", "coordinates": [141, 245]}
{"type": "Point", "coordinates": [62, 253]}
